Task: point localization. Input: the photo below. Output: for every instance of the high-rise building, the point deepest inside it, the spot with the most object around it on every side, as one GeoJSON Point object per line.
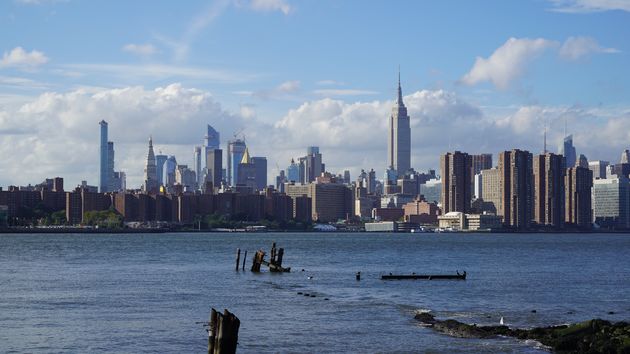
{"type": "Point", "coordinates": [160, 160]}
{"type": "Point", "coordinates": [510, 188]}
{"type": "Point", "coordinates": [246, 172]}
{"type": "Point", "coordinates": [212, 139]}
{"type": "Point", "coordinates": [598, 168]}
{"type": "Point", "coordinates": [214, 158]}
{"type": "Point", "coordinates": [456, 182]}
{"type": "Point", "coordinates": [111, 185]}
{"type": "Point", "coordinates": [293, 172]}
{"type": "Point", "coordinates": [236, 149]}
{"type": "Point", "coordinates": [399, 137]}
{"type": "Point", "coordinates": [549, 201]}
{"type": "Point", "coordinates": [150, 171]}
{"type": "Point", "coordinates": [568, 150]}
{"type": "Point", "coordinates": [625, 156]}
{"type": "Point", "coordinates": [611, 202]}
{"type": "Point", "coordinates": [260, 166]}
{"type": "Point", "coordinates": [197, 164]}
{"type": "Point", "coordinates": [103, 182]}
{"type": "Point", "coordinates": [313, 164]}
{"type": "Point", "coordinates": [481, 162]}
{"type": "Point", "coordinates": [578, 207]}
{"type": "Point", "coordinates": [170, 165]}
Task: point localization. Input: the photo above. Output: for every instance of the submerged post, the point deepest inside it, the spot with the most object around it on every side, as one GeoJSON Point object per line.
{"type": "Point", "coordinates": [238, 258]}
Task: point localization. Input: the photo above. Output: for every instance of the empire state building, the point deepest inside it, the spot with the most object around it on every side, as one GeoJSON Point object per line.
{"type": "Point", "coordinates": [399, 139]}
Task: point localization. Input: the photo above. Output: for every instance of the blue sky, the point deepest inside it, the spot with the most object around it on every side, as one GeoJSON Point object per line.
{"type": "Point", "coordinates": [294, 73]}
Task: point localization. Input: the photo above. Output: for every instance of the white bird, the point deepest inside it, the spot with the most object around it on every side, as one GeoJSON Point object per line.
{"type": "Point", "coordinates": [310, 277]}
{"type": "Point", "coordinates": [501, 321]}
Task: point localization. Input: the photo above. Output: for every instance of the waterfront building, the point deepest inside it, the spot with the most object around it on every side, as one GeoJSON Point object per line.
{"type": "Point", "coordinates": [578, 208]}
{"type": "Point", "coordinates": [456, 181]}
{"type": "Point", "coordinates": [330, 202]}
{"type": "Point", "coordinates": [611, 202]}
{"type": "Point", "coordinates": [510, 188]}
{"type": "Point", "coordinates": [399, 137]}
{"type": "Point", "coordinates": [481, 162]}
{"type": "Point", "coordinates": [568, 150]}
{"type": "Point", "coordinates": [478, 185]}
{"type": "Point", "coordinates": [421, 212]}
{"type": "Point", "coordinates": [236, 149]}
{"type": "Point", "coordinates": [598, 168]}
{"type": "Point", "coordinates": [549, 201]}
{"type": "Point", "coordinates": [103, 166]}
{"type": "Point", "coordinates": [150, 171]}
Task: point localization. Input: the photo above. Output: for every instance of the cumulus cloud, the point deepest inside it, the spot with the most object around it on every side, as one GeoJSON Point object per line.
{"type": "Point", "coordinates": [62, 130]}
{"type": "Point", "coordinates": [586, 6]}
{"type": "Point", "coordinates": [271, 5]}
{"type": "Point", "coordinates": [140, 49]}
{"type": "Point", "coordinates": [507, 63]}
{"type": "Point", "coordinates": [22, 59]}
{"type": "Point", "coordinates": [577, 47]}
{"type": "Point", "coordinates": [351, 135]}
{"type": "Point", "coordinates": [289, 86]}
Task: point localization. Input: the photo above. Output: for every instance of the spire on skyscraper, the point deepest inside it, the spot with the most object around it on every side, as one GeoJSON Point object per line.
{"type": "Point", "coordinates": [400, 100]}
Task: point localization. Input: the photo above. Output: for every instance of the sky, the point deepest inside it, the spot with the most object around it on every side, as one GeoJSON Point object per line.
{"type": "Point", "coordinates": [477, 76]}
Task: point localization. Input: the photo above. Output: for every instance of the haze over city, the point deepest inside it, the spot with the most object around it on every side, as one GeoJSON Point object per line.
{"type": "Point", "coordinates": [477, 77]}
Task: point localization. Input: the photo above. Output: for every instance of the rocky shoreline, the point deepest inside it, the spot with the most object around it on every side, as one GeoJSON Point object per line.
{"type": "Point", "coordinates": [593, 336]}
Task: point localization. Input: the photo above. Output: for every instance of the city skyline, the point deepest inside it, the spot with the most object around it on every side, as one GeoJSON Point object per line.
{"type": "Point", "coordinates": [457, 100]}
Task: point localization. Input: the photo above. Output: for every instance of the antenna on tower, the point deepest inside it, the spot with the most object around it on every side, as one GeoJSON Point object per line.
{"type": "Point", "coordinates": [545, 136]}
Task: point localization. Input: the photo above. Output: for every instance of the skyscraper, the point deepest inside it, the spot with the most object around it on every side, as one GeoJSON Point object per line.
{"type": "Point", "coordinates": [625, 156]}
{"type": "Point", "coordinates": [160, 160]}
{"type": "Point", "coordinates": [103, 183]}
{"type": "Point", "coordinates": [111, 184]}
{"type": "Point", "coordinates": [197, 164]}
{"type": "Point", "coordinates": [260, 166]}
{"type": "Point", "coordinates": [293, 172]}
{"type": "Point", "coordinates": [150, 171]}
{"type": "Point", "coordinates": [568, 150]}
{"type": "Point", "coordinates": [578, 183]}
{"type": "Point", "coordinates": [549, 201]}
{"type": "Point", "coordinates": [313, 164]}
{"type": "Point", "coordinates": [456, 182]}
{"type": "Point", "coordinates": [236, 149]}
{"type": "Point", "coordinates": [598, 168]}
{"type": "Point", "coordinates": [399, 137]}
{"type": "Point", "coordinates": [211, 140]}
{"type": "Point", "coordinates": [214, 171]}
{"type": "Point", "coordinates": [481, 162]}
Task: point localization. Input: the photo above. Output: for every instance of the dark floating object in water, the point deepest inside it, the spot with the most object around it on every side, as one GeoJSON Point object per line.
{"type": "Point", "coordinates": [533, 311]}
{"type": "Point", "coordinates": [611, 312]}
{"type": "Point", "coordinates": [313, 295]}
{"type": "Point", "coordinates": [306, 294]}
{"type": "Point", "coordinates": [424, 276]}
{"type": "Point", "coordinates": [299, 293]}
{"type": "Point", "coordinates": [326, 299]}
{"type": "Point", "coordinates": [570, 313]}
{"type": "Point", "coordinates": [358, 276]}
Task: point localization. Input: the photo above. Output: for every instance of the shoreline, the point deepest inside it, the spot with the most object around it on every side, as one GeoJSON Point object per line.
{"type": "Point", "coordinates": [71, 230]}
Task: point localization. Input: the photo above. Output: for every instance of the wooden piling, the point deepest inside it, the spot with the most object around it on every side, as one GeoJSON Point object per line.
{"type": "Point", "coordinates": [244, 259]}
{"type": "Point", "coordinates": [223, 332]}
{"type": "Point", "coordinates": [238, 258]}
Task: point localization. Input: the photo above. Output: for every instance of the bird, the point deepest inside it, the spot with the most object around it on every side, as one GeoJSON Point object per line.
{"type": "Point", "coordinates": [310, 277]}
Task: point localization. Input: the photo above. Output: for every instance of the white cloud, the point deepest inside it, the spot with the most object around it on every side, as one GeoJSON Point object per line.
{"type": "Point", "coordinates": [289, 86]}
{"type": "Point", "coordinates": [351, 135]}
{"type": "Point", "coordinates": [343, 92]}
{"type": "Point", "coordinates": [21, 82]}
{"type": "Point", "coordinates": [577, 47]}
{"type": "Point", "coordinates": [174, 115]}
{"type": "Point", "coordinates": [586, 6]}
{"type": "Point", "coordinates": [163, 72]}
{"type": "Point", "coordinates": [22, 59]}
{"type": "Point", "coordinates": [507, 63]}
{"type": "Point", "coordinates": [140, 49]}
{"type": "Point", "coordinates": [329, 83]}
{"type": "Point", "coordinates": [271, 5]}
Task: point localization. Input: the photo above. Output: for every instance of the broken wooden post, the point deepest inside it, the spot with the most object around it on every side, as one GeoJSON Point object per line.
{"type": "Point", "coordinates": [223, 332]}
{"type": "Point", "coordinates": [244, 259]}
{"type": "Point", "coordinates": [238, 258]}
{"type": "Point", "coordinates": [279, 257]}
{"type": "Point", "coordinates": [273, 253]}
{"type": "Point", "coordinates": [258, 260]}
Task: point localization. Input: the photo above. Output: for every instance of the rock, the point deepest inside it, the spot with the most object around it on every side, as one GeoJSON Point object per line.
{"type": "Point", "coordinates": [594, 336]}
